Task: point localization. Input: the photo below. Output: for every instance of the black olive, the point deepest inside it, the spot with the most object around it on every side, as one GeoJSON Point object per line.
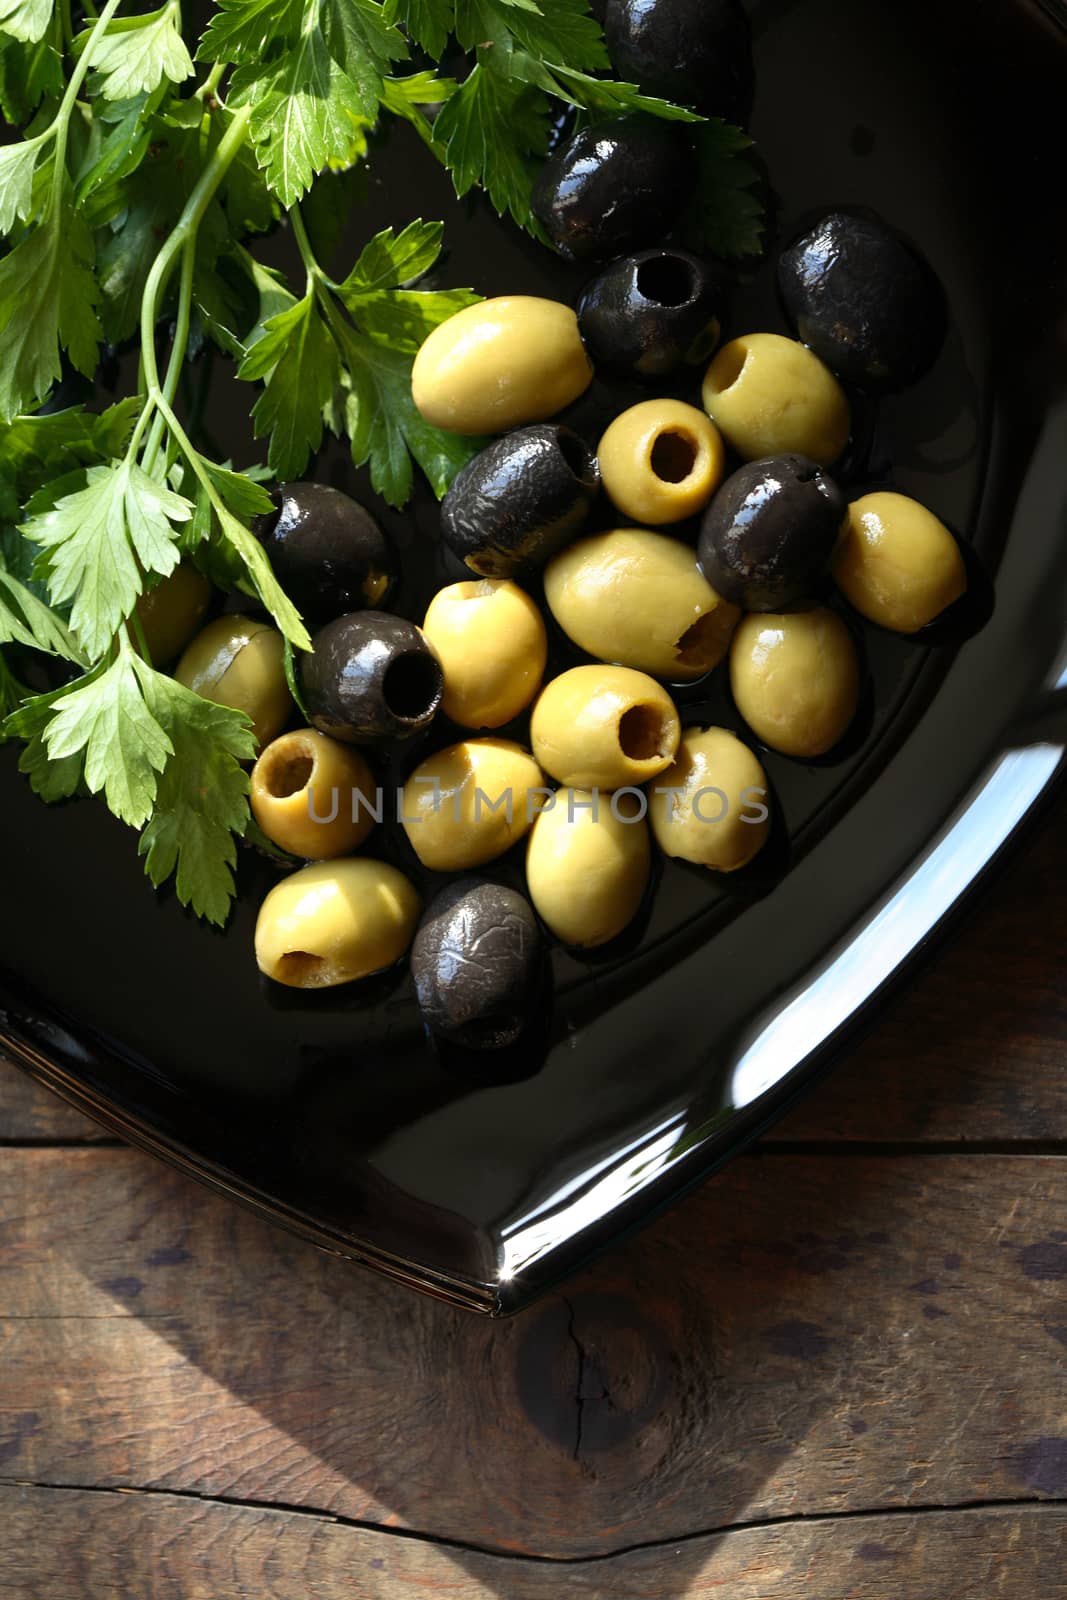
{"type": "Point", "coordinates": [865, 300]}
{"type": "Point", "coordinates": [769, 534]}
{"type": "Point", "coordinates": [476, 962]}
{"type": "Point", "coordinates": [645, 315]}
{"type": "Point", "coordinates": [696, 52]}
{"type": "Point", "coordinates": [520, 500]}
{"type": "Point", "coordinates": [330, 555]}
{"type": "Point", "coordinates": [370, 676]}
{"type": "Point", "coordinates": [614, 186]}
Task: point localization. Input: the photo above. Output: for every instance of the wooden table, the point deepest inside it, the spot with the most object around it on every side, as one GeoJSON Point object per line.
{"type": "Point", "coordinates": [836, 1370]}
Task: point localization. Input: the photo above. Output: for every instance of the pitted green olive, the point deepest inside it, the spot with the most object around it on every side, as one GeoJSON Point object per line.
{"type": "Point", "coordinates": [587, 865]}
{"type": "Point", "coordinates": [489, 637]}
{"type": "Point", "coordinates": [335, 921]}
{"type": "Point", "coordinates": [897, 564]}
{"type": "Point", "coordinates": [469, 803]}
{"type": "Point", "coordinates": [661, 461]}
{"type": "Point", "coordinates": [313, 796]}
{"type": "Point", "coordinates": [238, 662]}
{"type": "Point", "coordinates": [170, 613]}
{"type": "Point", "coordinates": [712, 806]}
{"type": "Point", "coordinates": [640, 599]}
{"type": "Point", "coordinates": [795, 677]}
{"type": "Point", "coordinates": [770, 396]}
{"type": "Point", "coordinates": [604, 728]}
{"type": "Point", "coordinates": [499, 364]}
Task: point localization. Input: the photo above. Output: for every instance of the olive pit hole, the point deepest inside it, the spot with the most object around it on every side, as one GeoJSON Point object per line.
{"type": "Point", "coordinates": [700, 646]}
{"type": "Point", "coordinates": [287, 774]}
{"type": "Point", "coordinates": [642, 733]}
{"type": "Point", "coordinates": [574, 453]}
{"type": "Point", "coordinates": [411, 687]}
{"type": "Point", "coordinates": [727, 367]}
{"type": "Point", "coordinates": [673, 456]}
{"type": "Point", "coordinates": [301, 969]}
{"type": "Point", "coordinates": [667, 280]}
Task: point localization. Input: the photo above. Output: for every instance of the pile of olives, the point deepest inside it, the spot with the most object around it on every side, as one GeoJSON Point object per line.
{"type": "Point", "coordinates": [686, 537]}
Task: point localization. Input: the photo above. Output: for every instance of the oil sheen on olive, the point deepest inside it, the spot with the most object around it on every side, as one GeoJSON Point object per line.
{"type": "Point", "coordinates": [646, 314]}
{"type": "Point", "coordinates": [476, 962]}
{"type": "Point", "coordinates": [520, 500]}
{"type": "Point", "coordinates": [370, 676]}
{"type": "Point", "coordinates": [865, 301]}
{"type": "Point", "coordinates": [614, 186]}
{"type": "Point", "coordinates": [330, 555]}
{"type": "Point", "coordinates": [696, 52]}
{"type": "Point", "coordinates": [769, 535]}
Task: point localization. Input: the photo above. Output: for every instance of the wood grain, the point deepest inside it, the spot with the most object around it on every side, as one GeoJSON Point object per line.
{"type": "Point", "coordinates": [67, 1544]}
{"type": "Point", "coordinates": [803, 1337]}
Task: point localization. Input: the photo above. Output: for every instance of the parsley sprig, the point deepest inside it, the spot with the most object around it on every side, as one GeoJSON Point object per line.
{"type": "Point", "coordinates": [140, 166]}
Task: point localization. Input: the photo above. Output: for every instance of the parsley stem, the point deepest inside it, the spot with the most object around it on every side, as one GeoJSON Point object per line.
{"type": "Point", "coordinates": [61, 122]}
{"type": "Point", "coordinates": [212, 81]}
{"type": "Point", "coordinates": [303, 244]}
{"type": "Point", "coordinates": [177, 352]}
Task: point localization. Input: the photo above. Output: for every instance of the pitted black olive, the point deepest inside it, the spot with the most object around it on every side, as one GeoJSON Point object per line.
{"type": "Point", "coordinates": [520, 500]}
{"type": "Point", "coordinates": [370, 676]}
{"type": "Point", "coordinates": [476, 962]}
{"type": "Point", "coordinates": [645, 315]}
{"type": "Point", "coordinates": [614, 186]}
{"type": "Point", "coordinates": [769, 534]}
{"type": "Point", "coordinates": [330, 555]}
{"type": "Point", "coordinates": [865, 300]}
{"type": "Point", "coordinates": [696, 52]}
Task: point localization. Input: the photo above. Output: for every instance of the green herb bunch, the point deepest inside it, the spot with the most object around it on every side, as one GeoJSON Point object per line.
{"type": "Point", "coordinates": [142, 157]}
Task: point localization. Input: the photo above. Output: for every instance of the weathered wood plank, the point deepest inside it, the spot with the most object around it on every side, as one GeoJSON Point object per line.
{"type": "Point", "coordinates": [976, 1047]}
{"type": "Point", "coordinates": [804, 1336]}
{"type": "Point", "coordinates": [73, 1545]}
{"type": "Point", "coordinates": [27, 1111]}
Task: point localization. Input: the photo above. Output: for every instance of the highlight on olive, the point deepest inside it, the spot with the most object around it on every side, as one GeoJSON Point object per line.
{"type": "Point", "coordinates": [469, 803]}
{"type": "Point", "coordinates": [898, 564]}
{"type": "Point", "coordinates": [771, 396]}
{"type": "Point", "coordinates": [639, 599]}
{"type": "Point", "coordinates": [695, 52]}
{"type": "Point", "coordinates": [614, 186]}
{"type": "Point", "coordinates": [312, 796]}
{"type": "Point", "coordinates": [661, 461]}
{"type": "Point", "coordinates": [489, 637]}
{"type": "Point", "coordinates": [499, 364]}
{"type": "Point", "coordinates": [240, 662]}
{"type": "Point", "coordinates": [588, 864]}
{"type": "Point", "coordinates": [769, 535]}
{"type": "Point", "coordinates": [646, 315]}
{"type": "Point", "coordinates": [712, 806]}
{"type": "Point", "coordinates": [335, 921]}
{"type": "Point", "coordinates": [476, 962]}
{"type": "Point", "coordinates": [520, 500]}
{"type": "Point", "coordinates": [328, 553]}
{"type": "Point", "coordinates": [795, 677]}
{"type": "Point", "coordinates": [370, 676]}
{"type": "Point", "coordinates": [604, 727]}
{"type": "Point", "coordinates": [865, 300]}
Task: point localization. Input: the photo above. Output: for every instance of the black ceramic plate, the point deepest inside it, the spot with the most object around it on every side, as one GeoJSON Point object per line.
{"type": "Point", "coordinates": [485, 1181]}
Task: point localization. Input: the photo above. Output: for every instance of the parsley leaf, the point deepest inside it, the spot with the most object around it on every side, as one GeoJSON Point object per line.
{"type": "Point", "coordinates": [25, 619]}
{"type": "Point", "coordinates": [493, 131]}
{"type": "Point", "coordinates": [298, 359]}
{"type": "Point", "coordinates": [727, 216]}
{"type": "Point", "coordinates": [17, 163]}
{"type": "Point", "coordinates": [51, 778]}
{"type": "Point", "coordinates": [26, 20]}
{"type": "Point", "coordinates": [50, 270]}
{"type": "Point", "coordinates": [137, 54]}
{"type": "Point", "coordinates": [97, 542]}
{"type": "Point", "coordinates": [201, 801]}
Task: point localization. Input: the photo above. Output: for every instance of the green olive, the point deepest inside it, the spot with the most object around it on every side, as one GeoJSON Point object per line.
{"type": "Point", "coordinates": [499, 364]}
{"type": "Point", "coordinates": [604, 728]}
{"type": "Point", "coordinates": [711, 806]}
{"type": "Point", "coordinates": [335, 921]}
{"type": "Point", "coordinates": [170, 613]}
{"type": "Point", "coordinates": [640, 599]}
{"type": "Point", "coordinates": [239, 662]}
{"type": "Point", "coordinates": [489, 637]}
{"type": "Point", "coordinates": [587, 865]}
{"type": "Point", "coordinates": [313, 796]}
{"type": "Point", "coordinates": [795, 677]}
{"type": "Point", "coordinates": [469, 803]}
{"type": "Point", "coordinates": [771, 396]}
{"type": "Point", "coordinates": [897, 564]}
{"type": "Point", "coordinates": [661, 461]}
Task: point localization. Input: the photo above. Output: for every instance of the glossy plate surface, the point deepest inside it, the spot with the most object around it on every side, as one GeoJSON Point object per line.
{"type": "Point", "coordinates": [485, 1180]}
